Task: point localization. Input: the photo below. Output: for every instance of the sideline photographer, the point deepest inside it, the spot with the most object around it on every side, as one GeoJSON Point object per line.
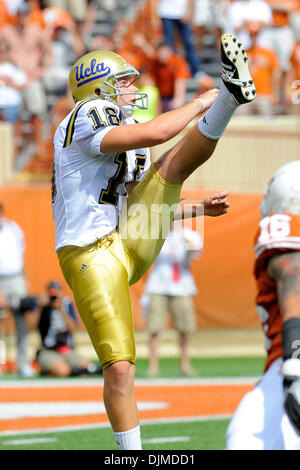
{"type": "Point", "coordinates": [56, 324]}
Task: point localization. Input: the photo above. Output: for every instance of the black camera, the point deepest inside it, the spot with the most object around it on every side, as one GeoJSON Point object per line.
{"type": "Point", "coordinates": [28, 304]}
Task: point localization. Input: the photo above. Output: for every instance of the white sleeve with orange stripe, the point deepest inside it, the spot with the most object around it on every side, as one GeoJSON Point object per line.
{"type": "Point", "coordinates": [278, 231]}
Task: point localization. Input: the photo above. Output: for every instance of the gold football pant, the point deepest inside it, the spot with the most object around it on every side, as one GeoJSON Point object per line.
{"type": "Point", "coordinates": [100, 274]}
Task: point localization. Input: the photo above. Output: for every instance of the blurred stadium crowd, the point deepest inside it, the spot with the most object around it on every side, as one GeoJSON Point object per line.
{"type": "Point", "coordinates": [175, 49]}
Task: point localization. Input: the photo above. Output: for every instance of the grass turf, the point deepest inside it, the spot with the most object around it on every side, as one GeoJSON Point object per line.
{"type": "Point", "coordinates": [208, 367]}
{"type": "Point", "coordinates": [205, 367]}
{"type": "Point", "coordinates": [195, 435]}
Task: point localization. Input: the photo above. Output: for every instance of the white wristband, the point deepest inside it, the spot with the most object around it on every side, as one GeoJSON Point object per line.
{"type": "Point", "coordinates": [203, 104]}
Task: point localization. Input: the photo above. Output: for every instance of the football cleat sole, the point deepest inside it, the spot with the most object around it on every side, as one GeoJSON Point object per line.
{"type": "Point", "coordinates": [235, 71]}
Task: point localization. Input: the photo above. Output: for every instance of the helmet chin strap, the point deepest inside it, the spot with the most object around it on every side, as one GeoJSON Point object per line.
{"type": "Point", "coordinates": [127, 110]}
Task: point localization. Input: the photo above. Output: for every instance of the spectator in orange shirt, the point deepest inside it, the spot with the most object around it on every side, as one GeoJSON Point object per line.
{"type": "Point", "coordinates": [265, 70]}
{"type": "Point", "coordinates": [170, 72]}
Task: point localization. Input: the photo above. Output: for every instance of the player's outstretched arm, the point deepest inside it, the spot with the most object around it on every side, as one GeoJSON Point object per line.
{"type": "Point", "coordinates": [215, 205]}
{"type": "Point", "coordinates": [157, 131]}
{"type": "Point", "coordinates": [285, 270]}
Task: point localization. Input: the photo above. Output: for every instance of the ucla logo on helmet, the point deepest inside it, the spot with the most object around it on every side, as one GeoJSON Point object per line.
{"type": "Point", "coordinates": [93, 72]}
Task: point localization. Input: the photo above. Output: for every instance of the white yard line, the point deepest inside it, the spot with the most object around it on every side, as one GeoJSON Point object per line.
{"type": "Point", "coordinates": [21, 410]}
{"type": "Point", "coordinates": [19, 442]}
{"type": "Point", "coordinates": [57, 383]}
{"type": "Point", "coordinates": [162, 440]}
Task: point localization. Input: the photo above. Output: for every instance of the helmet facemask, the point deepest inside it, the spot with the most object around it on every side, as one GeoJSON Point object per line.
{"type": "Point", "coordinates": [111, 90]}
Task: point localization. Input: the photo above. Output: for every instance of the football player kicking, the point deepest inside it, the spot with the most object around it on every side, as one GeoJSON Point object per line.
{"type": "Point", "coordinates": [269, 416]}
{"type": "Point", "coordinates": [95, 164]}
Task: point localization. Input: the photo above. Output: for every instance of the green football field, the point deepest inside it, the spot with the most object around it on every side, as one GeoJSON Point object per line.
{"type": "Point", "coordinates": [198, 435]}
{"type": "Point", "coordinates": [189, 433]}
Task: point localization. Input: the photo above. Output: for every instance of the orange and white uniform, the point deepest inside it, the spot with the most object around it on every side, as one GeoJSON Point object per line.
{"type": "Point", "coordinates": [277, 234]}
{"type": "Point", "coordinates": [260, 422]}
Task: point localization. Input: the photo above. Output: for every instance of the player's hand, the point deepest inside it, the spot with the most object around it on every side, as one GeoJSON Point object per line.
{"type": "Point", "coordinates": [209, 97]}
{"type": "Point", "coordinates": [216, 204]}
{"type": "Point", "coordinates": [291, 384]}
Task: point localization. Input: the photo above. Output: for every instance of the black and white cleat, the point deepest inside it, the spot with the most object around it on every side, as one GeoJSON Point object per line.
{"type": "Point", "coordinates": [235, 70]}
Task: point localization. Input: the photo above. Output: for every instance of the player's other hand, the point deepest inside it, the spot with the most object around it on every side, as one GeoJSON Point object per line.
{"type": "Point", "coordinates": [216, 204]}
{"type": "Point", "coordinates": [291, 384]}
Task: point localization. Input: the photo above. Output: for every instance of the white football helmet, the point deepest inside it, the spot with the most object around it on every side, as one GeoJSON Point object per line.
{"type": "Point", "coordinates": [283, 191]}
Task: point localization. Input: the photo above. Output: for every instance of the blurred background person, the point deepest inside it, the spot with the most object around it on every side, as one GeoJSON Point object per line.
{"type": "Point", "coordinates": [67, 47]}
{"type": "Point", "coordinates": [293, 79]}
{"type": "Point", "coordinates": [170, 72]}
{"type": "Point", "coordinates": [242, 12]}
{"type": "Point", "coordinates": [56, 322]}
{"type": "Point", "coordinates": [137, 52]}
{"type": "Point", "coordinates": [210, 17]}
{"type": "Point", "coordinates": [282, 38]}
{"type": "Point", "coordinates": [77, 9]}
{"type": "Point", "coordinates": [265, 69]}
{"type": "Point", "coordinates": [13, 285]}
{"type": "Point", "coordinates": [170, 288]}
{"type": "Point", "coordinates": [12, 82]}
{"type": "Point", "coordinates": [4, 313]}
{"type": "Point", "coordinates": [176, 16]}
{"type": "Point", "coordinates": [170, 285]}
{"type": "Point", "coordinates": [31, 51]}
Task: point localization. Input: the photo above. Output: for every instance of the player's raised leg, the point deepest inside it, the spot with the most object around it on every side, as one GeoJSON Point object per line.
{"type": "Point", "coordinates": [196, 147]}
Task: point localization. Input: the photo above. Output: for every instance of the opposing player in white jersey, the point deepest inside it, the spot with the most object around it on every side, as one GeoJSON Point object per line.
{"type": "Point", "coordinates": [95, 164]}
{"type": "Point", "coordinates": [269, 416]}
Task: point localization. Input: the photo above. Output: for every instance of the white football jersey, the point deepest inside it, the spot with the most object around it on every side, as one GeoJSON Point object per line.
{"type": "Point", "coordinates": [88, 185]}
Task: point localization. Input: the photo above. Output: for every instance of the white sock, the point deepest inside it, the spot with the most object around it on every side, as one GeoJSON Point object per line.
{"type": "Point", "coordinates": [215, 120]}
{"type": "Point", "coordinates": [129, 440]}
